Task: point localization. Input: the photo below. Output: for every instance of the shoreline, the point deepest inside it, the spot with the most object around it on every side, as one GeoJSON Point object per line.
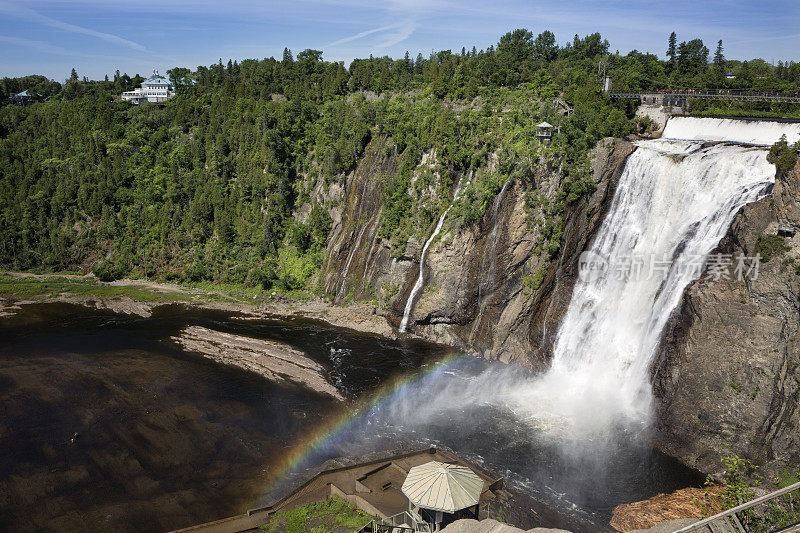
{"type": "Point", "coordinates": [142, 297]}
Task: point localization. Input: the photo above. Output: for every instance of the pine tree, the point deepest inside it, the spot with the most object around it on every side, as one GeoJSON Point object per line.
{"type": "Point", "coordinates": [671, 50]}
{"type": "Point", "coordinates": [287, 56]}
{"type": "Point", "coordinates": [719, 58]}
{"type": "Point", "coordinates": [73, 75]}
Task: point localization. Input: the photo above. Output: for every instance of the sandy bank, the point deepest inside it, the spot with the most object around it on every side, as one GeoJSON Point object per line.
{"type": "Point", "coordinates": [273, 360]}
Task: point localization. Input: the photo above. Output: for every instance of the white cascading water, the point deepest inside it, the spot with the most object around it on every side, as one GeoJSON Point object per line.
{"type": "Point", "coordinates": [674, 202]}
{"type": "Point", "coordinates": [421, 278]}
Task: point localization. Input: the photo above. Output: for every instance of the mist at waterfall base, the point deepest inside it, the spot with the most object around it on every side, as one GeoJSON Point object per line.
{"type": "Point", "coordinates": [575, 436]}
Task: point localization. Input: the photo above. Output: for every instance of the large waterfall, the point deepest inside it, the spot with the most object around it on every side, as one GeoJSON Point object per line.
{"type": "Point", "coordinates": [674, 202]}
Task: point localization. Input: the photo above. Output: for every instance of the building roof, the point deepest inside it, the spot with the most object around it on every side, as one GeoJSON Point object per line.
{"type": "Point", "coordinates": [544, 125]}
{"type": "Point", "coordinates": [156, 80]}
{"type": "Point", "coordinates": [27, 92]}
{"type": "Point", "coordinates": [443, 487]}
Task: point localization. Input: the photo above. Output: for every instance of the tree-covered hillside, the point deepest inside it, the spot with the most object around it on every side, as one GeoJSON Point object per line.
{"type": "Point", "coordinates": [206, 187]}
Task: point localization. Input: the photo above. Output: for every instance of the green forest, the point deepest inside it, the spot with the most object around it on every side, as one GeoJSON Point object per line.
{"type": "Point", "coordinates": [206, 187]}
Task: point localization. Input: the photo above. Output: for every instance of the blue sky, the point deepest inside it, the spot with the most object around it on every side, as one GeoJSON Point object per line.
{"type": "Point", "coordinates": [99, 36]}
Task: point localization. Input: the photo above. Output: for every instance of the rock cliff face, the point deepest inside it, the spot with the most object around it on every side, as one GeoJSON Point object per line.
{"type": "Point", "coordinates": [728, 376]}
{"type": "Point", "coordinates": [481, 291]}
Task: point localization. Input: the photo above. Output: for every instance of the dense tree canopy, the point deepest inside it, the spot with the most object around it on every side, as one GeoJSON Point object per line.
{"type": "Point", "coordinates": [207, 186]}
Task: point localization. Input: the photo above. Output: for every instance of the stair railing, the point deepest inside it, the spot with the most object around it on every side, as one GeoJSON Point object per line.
{"type": "Point", "coordinates": [762, 515]}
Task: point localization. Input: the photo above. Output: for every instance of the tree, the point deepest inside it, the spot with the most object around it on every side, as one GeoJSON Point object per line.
{"type": "Point", "coordinates": [73, 75]}
{"type": "Point", "coordinates": [179, 76]}
{"type": "Point", "coordinates": [589, 47]}
{"type": "Point", "coordinates": [545, 47]}
{"type": "Point", "coordinates": [514, 52]}
{"type": "Point", "coordinates": [692, 58]}
{"type": "Point", "coordinates": [783, 156]}
{"type": "Point", "coordinates": [308, 60]}
{"type": "Point", "coordinates": [287, 57]}
{"type": "Point", "coordinates": [516, 45]}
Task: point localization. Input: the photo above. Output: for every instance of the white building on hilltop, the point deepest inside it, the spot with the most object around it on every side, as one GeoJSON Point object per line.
{"type": "Point", "coordinates": [156, 89]}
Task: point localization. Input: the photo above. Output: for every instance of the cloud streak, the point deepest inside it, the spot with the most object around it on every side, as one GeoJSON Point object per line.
{"type": "Point", "coordinates": [393, 34]}
{"type": "Point", "coordinates": [16, 10]}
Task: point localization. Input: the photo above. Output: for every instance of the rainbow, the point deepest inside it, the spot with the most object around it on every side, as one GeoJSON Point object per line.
{"type": "Point", "coordinates": [338, 424]}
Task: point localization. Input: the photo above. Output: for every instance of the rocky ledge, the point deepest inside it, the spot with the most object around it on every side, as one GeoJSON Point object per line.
{"type": "Point", "coordinates": [275, 361]}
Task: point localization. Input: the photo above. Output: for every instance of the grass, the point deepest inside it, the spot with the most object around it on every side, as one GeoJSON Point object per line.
{"type": "Point", "coordinates": [37, 287]}
{"type": "Point", "coordinates": [331, 515]}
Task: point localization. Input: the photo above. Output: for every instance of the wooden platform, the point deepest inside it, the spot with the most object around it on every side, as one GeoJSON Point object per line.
{"type": "Point", "coordinates": [373, 487]}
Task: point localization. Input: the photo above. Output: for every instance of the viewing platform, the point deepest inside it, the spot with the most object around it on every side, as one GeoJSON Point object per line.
{"type": "Point", "coordinates": [372, 486]}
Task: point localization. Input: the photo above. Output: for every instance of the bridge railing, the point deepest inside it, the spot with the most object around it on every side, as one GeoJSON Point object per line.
{"type": "Point", "coordinates": [777, 511]}
{"type": "Point", "coordinates": [698, 94]}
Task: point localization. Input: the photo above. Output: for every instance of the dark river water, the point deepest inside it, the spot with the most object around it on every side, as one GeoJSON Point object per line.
{"type": "Point", "coordinates": [106, 424]}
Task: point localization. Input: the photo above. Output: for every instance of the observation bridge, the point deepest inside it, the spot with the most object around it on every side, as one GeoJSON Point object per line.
{"type": "Point", "coordinates": [680, 97]}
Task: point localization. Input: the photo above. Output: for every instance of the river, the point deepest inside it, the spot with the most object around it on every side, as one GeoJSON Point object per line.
{"type": "Point", "coordinates": [106, 424]}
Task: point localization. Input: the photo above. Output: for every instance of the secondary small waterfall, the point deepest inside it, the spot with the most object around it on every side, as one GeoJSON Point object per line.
{"type": "Point", "coordinates": [421, 278]}
{"type": "Point", "coordinates": [674, 202]}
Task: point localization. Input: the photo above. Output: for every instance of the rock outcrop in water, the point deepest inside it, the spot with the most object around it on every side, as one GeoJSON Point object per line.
{"type": "Point", "coordinates": [275, 361]}
{"type": "Point", "coordinates": [728, 379]}
{"type": "Point", "coordinates": [478, 293]}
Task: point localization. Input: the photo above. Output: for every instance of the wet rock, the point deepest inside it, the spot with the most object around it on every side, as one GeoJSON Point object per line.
{"type": "Point", "coordinates": [728, 375]}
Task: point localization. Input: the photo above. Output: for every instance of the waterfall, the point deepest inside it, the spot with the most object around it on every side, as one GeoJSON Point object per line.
{"type": "Point", "coordinates": [421, 278]}
{"type": "Point", "coordinates": [674, 202]}
{"type": "Point", "coordinates": [761, 132]}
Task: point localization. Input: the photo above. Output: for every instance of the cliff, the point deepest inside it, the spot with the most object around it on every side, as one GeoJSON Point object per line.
{"type": "Point", "coordinates": [489, 287]}
{"type": "Point", "coordinates": [728, 376]}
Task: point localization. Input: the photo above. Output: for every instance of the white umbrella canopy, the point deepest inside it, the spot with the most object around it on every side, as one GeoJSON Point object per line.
{"type": "Point", "coordinates": [442, 487]}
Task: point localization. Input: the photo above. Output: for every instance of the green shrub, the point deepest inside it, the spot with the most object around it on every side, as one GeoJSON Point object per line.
{"type": "Point", "coordinates": [770, 246]}
{"type": "Point", "coordinates": [782, 155]}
